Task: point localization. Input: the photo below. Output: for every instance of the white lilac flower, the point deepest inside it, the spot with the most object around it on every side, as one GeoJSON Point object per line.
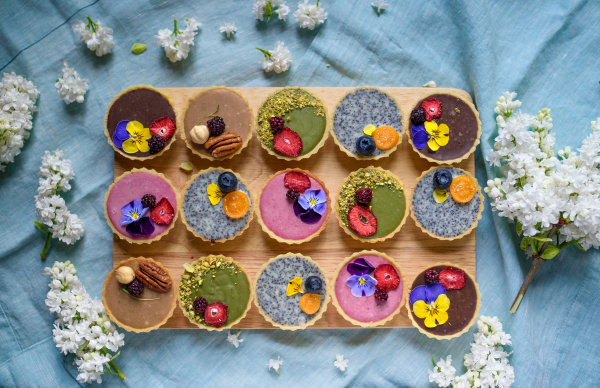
{"type": "Point", "coordinates": [71, 87]}
{"type": "Point", "coordinates": [275, 364]}
{"type": "Point", "coordinates": [443, 372]}
{"type": "Point", "coordinates": [17, 104]}
{"type": "Point", "coordinates": [177, 43]}
{"type": "Point", "coordinates": [380, 4]}
{"type": "Point", "coordinates": [265, 7]}
{"type": "Point", "coordinates": [277, 60]}
{"type": "Point", "coordinates": [229, 29]}
{"type": "Point", "coordinates": [310, 15]}
{"type": "Point", "coordinates": [430, 84]}
{"type": "Point", "coordinates": [96, 37]}
{"type": "Point", "coordinates": [234, 339]}
{"type": "Point", "coordinates": [340, 362]}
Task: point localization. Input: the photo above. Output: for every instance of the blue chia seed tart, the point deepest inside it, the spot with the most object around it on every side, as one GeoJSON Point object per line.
{"type": "Point", "coordinates": [359, 120]}
{"type": "Point", "coordinates": [216, 205]}
{"type": "Point", "coordinates": [291, 291]}
{"type": "Point", "coordinates": [446, 202]}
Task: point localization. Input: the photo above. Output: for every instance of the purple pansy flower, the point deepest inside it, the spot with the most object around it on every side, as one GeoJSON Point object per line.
{"type": "Point", "coordinates": [360, 283]}
{"type": "Point", "coordinates": [428, 293]}
{"type": "Point", "coordinates": [132, 212]}
{"type": "Point", "coordinates": [360, 267]}
{"type": "Point", "coordinates": [120, 134]}
{"type": "Point", "coordinates": [311, 206]}
{"type": "Point", "coordinates": [420, 137]}
{"type": "Point", "coordinates": [142, 227]}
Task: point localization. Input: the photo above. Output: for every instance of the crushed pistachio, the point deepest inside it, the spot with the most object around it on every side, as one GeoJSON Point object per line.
{"type": "Point", "coordinates": [457, 110]}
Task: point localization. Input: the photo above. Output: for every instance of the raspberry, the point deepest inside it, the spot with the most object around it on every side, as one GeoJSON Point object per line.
{"type": "Point", "coordinates": [276, 123]}
{"type": "Point", "coordinates": [418, 116]}
{"type": "Point", "coordinates": [156, 144]}
{"type": "Point", "coordinates": [452, 278]}
{"type": "Point", "coordinates": [381, 294]}
{"type": "Point", "coordinates": [135, 288]}
{"type": "Point", "coordinates": [163, 127]}
{"type": "Point", "coordinates": [297, 181]}
{"type": "Point", "coordinates": [363, 196]}
{"type": "Point", "coordinates": [216, 314]}
{"type": "Point", "coordinates": [200, 305]}
{"type": "Point", "coordinates": [432, 276]}
{"type": "Point", "coordinates": [287, 142]}
{"type": "Point", "coordinates": [362, 220]}
{"type": "Point", "coordinates": [387, 277]}
{"type": "Point", "coordinates": [216, 126]}
{"type": "Point", "coordinates": [432, 108]}
{"type": "Point", "coordinates": [148, 201]}
{"type": "Point", "coordinates": [293, 194]}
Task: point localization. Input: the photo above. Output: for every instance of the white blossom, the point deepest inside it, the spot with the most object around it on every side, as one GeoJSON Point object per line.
{"type": "Point", "coordinates": [233, 339]}
{"type": "Point", "coordinates": [443, 372]}
{"type": "Point", "coordinates": [96, 37]}
{"type": "Point", "coordinates": [71, 87]}
{"type": "Point", "coordinates": [310, 15]}
{"type": "Point", "coordinates": [177, 43]}
{"type": "Point", "coordinates": [277, 59]}
{"type": "Point", "coordinates": [275, 364]}
{"type": "Point", "coordinates": [340, 363]}
{"type": "Point", "coordinates": [430, 84]}
{"type": "Point", "coordinates": [228, 28]}
{"type": "Point", "coordinates": [265, 7]}
{"type": "Point", "coordinates": [380, 4]}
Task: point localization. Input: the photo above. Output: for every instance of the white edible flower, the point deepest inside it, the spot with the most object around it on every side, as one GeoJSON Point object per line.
{"type": "Point", "coordinates": [233, 339]}
{"type": "Point", "coordinates": [275, 364]}
{"type": "Point", "coordinates": [228, 28]}
{"type": "Point", "coordinates": [310, 15]}
{"type": "Point", "coordinates": [71, 87]}
{"type": "Point", "coordinates": [264, 7]}
{"type": "Point", "coordinates": [430, 84]}
{"type": "Point", "coordinates": [340, 362]}
{"type": "Point", "coordinates": [177, 43]}
{"type": "Point", "coordinates": [277, 60]}
{"type": "Point", "coordinates": [96, 37]}
{"type": "Point", "coordinates": [380, 4]}
{"type": "Point", "coordinates": [443, 372]}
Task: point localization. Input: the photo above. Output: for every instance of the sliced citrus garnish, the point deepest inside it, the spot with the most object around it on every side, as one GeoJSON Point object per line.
{"type": "Point", "coordinates": [310, 303]}
{"type": "Point", "coordinates": [385, 137]}
{"type": "Point", "coordinates": [236, 204]}
{"type": "Point", "coordinates": [462, 189]}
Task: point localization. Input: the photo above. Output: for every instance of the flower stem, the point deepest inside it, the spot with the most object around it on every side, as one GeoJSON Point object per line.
{"type": "Point", "coordinates": [119, 373]}
{"type": "Point", "coordinates": [267, 53]}
{"type": "Point", "coordinates": [46, 246]}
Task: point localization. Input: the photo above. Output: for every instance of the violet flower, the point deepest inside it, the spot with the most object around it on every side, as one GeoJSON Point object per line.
{"type": "Point", "coordinates": [132, 211]}
{"type": "Point", "coordinates": [142, 227]}
{"type": "Point", "coordinates": [420, 136]}
{"type": "Point", "coordinates": [360, 283]}
{"type": "Point", "coordinates": [311, 206]}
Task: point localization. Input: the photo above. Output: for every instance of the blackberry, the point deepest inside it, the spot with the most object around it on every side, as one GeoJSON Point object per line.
{"type": "Point", "coordinates": [135, 288]}
{"type": "Point", "coordinates": [418, 115]}
{"type": "Point", "coordinates": [293, 194]}
{"type": "Point", "coordinates": [432, 276]}
{"type": "Point", "coordinates": [200, 305]}
{"type": "Point", "coordinates": [156, 144]}
{"type": "Point", "coordinates": [216, 126]}
{"type": "Point", "coordinates": [276, 123]}
{"type": "Point", "coordinates": [148, 201]}
{"type": "Point", "coordinates": [363, 196]}
{"type": "Point", "coordinates": [381, 294]}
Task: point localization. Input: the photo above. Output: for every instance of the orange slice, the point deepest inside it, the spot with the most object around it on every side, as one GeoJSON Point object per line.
{"type": "Point", "coordinates": [385, 137]}
{"type": "Point", "coordinates": [310, 303]}
{"type": "Point", "coordinates": [236, 204]}
{"type": "Point", "coordinates": [462, 189]}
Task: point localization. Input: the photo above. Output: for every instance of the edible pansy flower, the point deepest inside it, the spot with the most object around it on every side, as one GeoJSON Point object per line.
{"type": "Point", "coordinates": [439, 135]}
{"type": "Point", "coordinates": [369, 130]}
{"type": "Point", "coordinates": [137, 139]}
{"type": "Point", "coordinates": [430, 302]}
{"type": "Point", "coordinates": [360, 282]}
{"type": "Point", "coordinates": [294, 287]}
{"type": "Point", "coordinates": [311, 206]}
{"type": "Point", "coordinates": [440, 195]}
{"type": "Point", "coordinates": [214, 194]}
{"type": "Point", "coordinates": [360, 267]}
{"type": "Point", "coordinates": [142, 227]}
{"type": "Point", "coordinates": [420, 137]}
{"type": "Point", "coordinates": [132, 211]}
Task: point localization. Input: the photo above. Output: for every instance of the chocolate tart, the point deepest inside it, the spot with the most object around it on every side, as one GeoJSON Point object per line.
{"type": "Point", "coordinates": [389, 205]}
{"type": "Point", "coordinates": [302, 111]}
{"type": "Point", "coordinates": [463, 311]}
{"type": "Point", "coordinates": [360, 107]}
{"type": "Point", "coordinates": [216, 279]}
{"type": "Point", "coordinates": [231, 106]}
{"type": "Point", "coordinates": [270, 291]}
{"type": "Point", "coordinates": [200, 216]}
{"type": "Point", "coordinates": [133, 314]}
{"type": "Point", "coordinates": [274, 207]}
{"type": "Point", "coordinates": [449, 220]}
{"type": "Point", "coordinates": [464, 125]}
{"type": "Point", "coordinates": [133, 185]}
{"type": "Point", "coordinates": [141, 103]}
{"type": "Point", "coordinates": [366, 311]}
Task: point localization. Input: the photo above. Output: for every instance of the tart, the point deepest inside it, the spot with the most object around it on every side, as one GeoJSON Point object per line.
{"type": "Point", "coordinates": [372, 204]}
{"type": "Point", "coordinates": [292, 124]}
{"type": "Point", "coordinates": [444, 301]}
{"type": "Point", "coordinates": [446, 202]}
{"type": "Point", "coordinates": [138, 295]}
{"type": "Point", "coordinates": [216, 205]}
{"type": "Point", "coordinates": [214, 292]}
{"type": "Point", "coordinates": [293, 206]}
{"type": "Point", "coordinates": [443, 128]}
{"type": "Point", "coordinates": [291, 291]}
{"type": "Point", "coordinates": [141, 206]}
{"type": "Point", "coordinates": [368, 289]}
{"type": "Point", "coordinates": [367, 123]}
{"type": "Point", "coordinates": [141, 122]}
{"type": "Point", "coordinates": [201, 123]}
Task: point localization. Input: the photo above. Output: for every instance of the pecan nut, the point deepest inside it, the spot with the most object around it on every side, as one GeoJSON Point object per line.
{"type": "Point", "coordinates": [225, 144]}
{"type": "Point", "coordinates": [153, 276]}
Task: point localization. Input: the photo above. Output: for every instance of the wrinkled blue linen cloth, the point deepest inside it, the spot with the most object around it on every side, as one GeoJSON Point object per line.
{"type": "Point", "coordinates": [546, 51]}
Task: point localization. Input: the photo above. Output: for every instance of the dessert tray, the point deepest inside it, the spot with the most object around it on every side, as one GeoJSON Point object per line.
{"type": "Point", "coordinates": [411, 248]}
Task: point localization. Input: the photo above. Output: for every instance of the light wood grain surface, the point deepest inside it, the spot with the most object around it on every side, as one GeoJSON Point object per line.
{"type": "Point", "coordinates": [412, 249]}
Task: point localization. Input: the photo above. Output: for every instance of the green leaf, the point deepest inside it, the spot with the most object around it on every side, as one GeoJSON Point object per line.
{"type": "Point", "coordinates": [542, 239]}
{"type": "Point", "coordinates": [138, 48]}
{"type": "Point", "coordinates": [39, 226]}
{"type": "Point", "coordinates": [566, 244]}
{"type": "Point", "coordinates": [580, 247]}
{"type": "Point", "coordinates": [534, 245]}
{"type": "Point", "coordinates": [519, 228]}
{"type": "Point", "coordinates": [551, 251]}
{"type": "Point", "coordinates": [434, 364]}
{"type": "Point", "coordinates": [524, 243]}
{"type": "Point", "coordinates": [187, 167]}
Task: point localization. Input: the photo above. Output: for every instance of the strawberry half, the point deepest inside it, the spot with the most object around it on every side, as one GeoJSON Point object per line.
{"type": "Point", "coordinates": [163, 127]}
{"type": "Point", "coordinates": [215, 314]}
{"type": "Point", "coordinates": [163, 212]}
{"type": "Point", "coordinates": [452, 278]}
{"type": "Point", "coordinates": [287, 142]}
{"type": "Point", "coordinates": [362, 220]}
{"type": "Point", "coordinates": [297, 181]}
{"type": "Point", "coordinates": [387, 277]}
{"type": "Point", "coordinates": [432, 108]}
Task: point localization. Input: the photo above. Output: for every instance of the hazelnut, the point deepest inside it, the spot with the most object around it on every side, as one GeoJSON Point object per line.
{"type": "Point", "coordinates": [199, 134]}
{"type": "Point", "coordinates": [125, 275]}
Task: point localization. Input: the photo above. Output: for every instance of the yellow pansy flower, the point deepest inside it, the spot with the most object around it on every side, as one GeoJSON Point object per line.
{"type": "Point", "coordinates": [139, 138]}
{"type": "Point", "coordinates": [214, 194]}
{"type": "Point", "coordinates": [434, 313]}
{"type": "Point", "coordinates": [294, 286]}
{"type": "Point", "coordinates": [439, 135]}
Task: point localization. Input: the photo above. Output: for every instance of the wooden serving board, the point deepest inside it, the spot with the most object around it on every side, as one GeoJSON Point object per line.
{"type": "Point", "coordinates": [412, 249]}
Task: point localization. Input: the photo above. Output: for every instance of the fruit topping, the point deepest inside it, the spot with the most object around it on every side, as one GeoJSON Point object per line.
{"type": "Point", "coordinates": [294, 287]}
{"type": "Point", "coordinates": [287, 142]}
{"type": "Point", "coordinates": [199, 134]}
{"type": "Point", "coordinates": [292, 194]}
{"type": "Point", "coordinates": [363, 196]}
{"type": "Point", "coordinates": [236, 204]}
{"type": "Point", "coordinates": [381, 294]}
{"type": "Point", "coordinates": [452, 278]}
{"type": "Point", "coordinates": [362, 220]}
{"type": "Point", "coordinates": [296, 180]}
{"type": "Point", "coordinates": [310, 303]}
{"type": "Point", "coordinates": [313, 284]}
{"type": "Point", "coordinates": [200, 305]}
{"type": "Point", "coordinates": [125, 274]}
{"type": "Point", "coordinates": [227, 182]}
{"type": "Point", "coordinates": [135, 288]}
{"type": "Point", "coordinates": [163, 128]}
{"type": "Point", "coordinates": [156, 144]}
{"type": "Point", "coordinates": [432, 276]}
{"type": "Point", "coordinates": [216, 314]}
{"type": "Point", "coordinates": [442, 178]}
{"type": "Point", "coordinates": [462, 189]}
{"type": "Point", "coordinates": [387, 277]}
{"type": "Point", "coordinates": [417, 116]}
{"type": "Point", "coordinates": [386, 137]}
{"type": "Point", "coordinates": [163, 212]}
{"type": "Point", "coordinates": [148, 201]}
{"type": "Point", "coordinates": [276, 123]}
{"type": "Point", "coordinates": [365, 145]}
{"type": "Point", "coordinates": [432, 108]}
{"type": "Point", "coordinates": [216, 126]}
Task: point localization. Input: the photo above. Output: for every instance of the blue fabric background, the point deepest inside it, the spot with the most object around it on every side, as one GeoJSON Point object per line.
{"type": "Point", "coordinates": [546, 51]}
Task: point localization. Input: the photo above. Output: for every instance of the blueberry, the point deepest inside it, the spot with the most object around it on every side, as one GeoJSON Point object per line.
{"type": "Point", "coordinates": [365, 145]}
{"type": "Point", "coordinates": [442, 179]}
{"type": "Point", "coordinates": [313, 284]}
{"type": "Point", "coordinates": [227, 182]}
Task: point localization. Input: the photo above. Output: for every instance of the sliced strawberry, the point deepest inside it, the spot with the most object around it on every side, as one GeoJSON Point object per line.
{"type": "Point", "coordinates": [432, 108]}
{"type": "Point", "coordinates": [452, 278]}
{"type": "Point", "coordinates": [387, 277]}
{"type": "Point", "coordinates": [362, 220]}
{"type": "Point", "coordinates": [297, 181]}
{"type": "Point", "coordinates": [287, 142]}
{"type": "Point", "coordinates": [163, 127]}
{"type": "Point", "coordinates": [163, 212]}
{"type": "Point", "coordinates": [216, 314]}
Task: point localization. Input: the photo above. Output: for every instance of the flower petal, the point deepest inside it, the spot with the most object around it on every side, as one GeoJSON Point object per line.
{"type": "Point", "coordinates": [142, 227]}
{"type": "Point", "coordinates": [430, 320]}
{"type": "Point", "coordinates": [143, 145]}
{"type": "Point", "coordinates": [433, 145]}
{"type": "Point", "coordinates": [421, 309]}
{"type": "Point", "coordinates": [363, 261]}
{"type": "Point", "coordinates": [145, 132]}
{"type": "Point", "coordinates": [443, 129]}
{"type": "Point", "coordinates": [357, 269]}
{"type": "Point", "coordinates": [116, 141]}
{"type": "Point", "coordinates": [320, 196]}
{"type": "Point", "coordinates": [304, 202]}
{"type": "Point", "coordinates": [130, 146]}
{"type": "Point", "coordinates": [298, 211]}
{"type": "Point", "coordinates": [440, 195]}
{"type": "Point", "coordinates": [431, 127]}
{"type": "Point", "coordinates": [121, 130]}
{"type": "Point", "coordinates": [352, 280]}
{"type": "Point", "coordinates": [134, 127]}
{"type": "Point", "coordinates": [126, 219]}
{"type": "Point", "coordinates": [442, 140]}
{"type": "Point", "coordinates": [440, 317]}
{"type": "Point", "coordinates": [420, 137]}
{"type": "Point", "coordinates": [126, 209]}
{"type": "Point", "coordinates": [294, 286]}
{"type": "Point", "coordinates": [214, 194]}
{"type": "Point", "coordinates": [312, 217]}
{"type": "Point", "coordinates": [442, 303]}
{"type": "Point", "coordinates": [418, 293]}
{"type": "Point", "coordinates": [320, 208]}
{"type": "Point", "coordinates": [434, 290]}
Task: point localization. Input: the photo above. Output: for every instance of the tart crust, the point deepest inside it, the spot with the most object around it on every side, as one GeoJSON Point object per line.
{"type": "Point", "coordinates": [339, 308]}
{"type": "Point", "coordinates": [228, 326]}
{"type": "Point", "coordinates": [273, 235]}
{"type": "Point", "coordinates": [380, 156]}
{"type": "Point", "coordinates": [412, 213]}
{"type": "Point", "coordinates": [184, 192]}
{"type": "Point", "coordinates": [467, 327]}
{"type": "Point", "coordinates": [372, 240]}
{"type": "Point", "coordinates": [319, 144]}
{"type": "Point", "coordinates": [324, 303]}
{"type": "Point", "coordinates": [122, 236]}
{"type": "Point", "coordinates": [184, 113]}
{"type": "Point", "coordinates": [468, 153]}
{"type": "Point", "coordinates": [125, 154]}
{"type": "Point", "coordinates": [124, 326]}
